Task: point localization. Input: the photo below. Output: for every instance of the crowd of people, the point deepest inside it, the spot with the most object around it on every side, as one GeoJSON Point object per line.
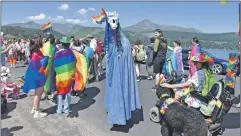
{"type": "Point", "coordinates": [20, 51]}
{"type": "Point", "coordinates": [64, 56]}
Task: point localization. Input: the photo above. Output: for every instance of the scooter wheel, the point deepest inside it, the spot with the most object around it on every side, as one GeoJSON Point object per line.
{"type": "Point", "coordinates": [154, 114]}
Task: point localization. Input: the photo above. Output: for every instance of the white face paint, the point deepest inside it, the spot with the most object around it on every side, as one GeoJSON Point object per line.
{"type": "Point", "coordinates": [113, 19]}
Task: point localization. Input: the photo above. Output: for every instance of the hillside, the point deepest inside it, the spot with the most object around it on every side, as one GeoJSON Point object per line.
{"type": "Point", "coordinates": [144, 30]}
{"type": "Point", "coordinates": [19, 32]}
{"type": "Point", "coordinates": [147, 25]}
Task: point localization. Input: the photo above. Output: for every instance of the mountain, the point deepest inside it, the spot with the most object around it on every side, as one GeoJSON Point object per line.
{"type": "Point", "coordinates": [142, 26]}
{"type": "Point", "coordinates": [147, 25]}
{"type": "Point", "coordinates": [30, 24]}
{"type": "Point", "coordinates": [143, 30]}
{"type": "Point", "coordinates": [25, 33]}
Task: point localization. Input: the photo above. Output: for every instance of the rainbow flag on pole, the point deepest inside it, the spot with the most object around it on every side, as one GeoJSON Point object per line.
{"type": "Point", "coordinates": [100, 18]}
{"type": "Point", "coordinates": [47, 28]}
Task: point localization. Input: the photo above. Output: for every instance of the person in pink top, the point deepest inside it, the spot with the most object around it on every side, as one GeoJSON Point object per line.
{"type": "Point", "coordinates": [196, 48]}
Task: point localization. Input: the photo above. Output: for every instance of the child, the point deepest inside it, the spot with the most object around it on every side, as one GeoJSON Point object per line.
{"type": "Point", "coordinates": [65, 66]}
{"type": "Point", "coordinates": [178, 56]}
{"type": "Point", "coordinates": [149, 53]}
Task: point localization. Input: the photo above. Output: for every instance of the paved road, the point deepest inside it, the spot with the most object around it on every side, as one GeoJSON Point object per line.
{"type": "Point", "coordinates": [90, 118]}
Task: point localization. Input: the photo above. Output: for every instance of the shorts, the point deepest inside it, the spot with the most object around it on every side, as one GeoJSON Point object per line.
{"type": "Point", "coordinates": [158, 64]}
{"type": "Point", "coordinates": [138, 62]}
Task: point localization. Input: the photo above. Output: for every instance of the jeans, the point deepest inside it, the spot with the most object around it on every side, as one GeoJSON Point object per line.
{"type": "Point", "coordinates": [65, 102]}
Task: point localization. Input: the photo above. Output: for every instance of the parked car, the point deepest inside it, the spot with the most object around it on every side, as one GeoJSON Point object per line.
{"type": "Point", "coordinates": [218, 68]}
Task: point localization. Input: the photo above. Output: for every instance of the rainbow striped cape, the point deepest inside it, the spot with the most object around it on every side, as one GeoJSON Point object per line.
{"type": "Point", "coordinates": [34, 78]}
{"type": "Point", "coordinates": [49, 50]}
{"type": "Point", "coordinates": [69, 66]}
{"type": "Point", "coordinates": [81, 71]}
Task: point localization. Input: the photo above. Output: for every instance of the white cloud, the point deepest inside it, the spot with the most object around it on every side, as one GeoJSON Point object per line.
{"type": "Point", "coordinates": [76, 21]}
{"type": "Point", "coordinates": [58, 18]}
{"type": "Point", "coordinates": [91, 9]}
{"type": "Point", "coordinates": [82, 11]}
{"type": "Point", "coordinates": [63, 7]}
{"type": "Point", "coordinates": [37, 17]}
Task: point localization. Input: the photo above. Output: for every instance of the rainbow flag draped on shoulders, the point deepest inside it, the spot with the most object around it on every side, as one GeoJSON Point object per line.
{"type": "Point", "coordinates": [70, 66]}
{"type": "Point", "coordinates": [34, 78]}
{"type": "Point", "coordinates": [47, 28]}
{"type": "Point", "coordinates": [65, 67]}
{"type": "Point", "coordinates": [49, 50]}
{"type": "Point", "coordinates": [81, 73]}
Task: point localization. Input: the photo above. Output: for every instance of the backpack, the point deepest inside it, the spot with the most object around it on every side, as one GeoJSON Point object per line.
{"type": "Point", "coordinates": [140, 56]}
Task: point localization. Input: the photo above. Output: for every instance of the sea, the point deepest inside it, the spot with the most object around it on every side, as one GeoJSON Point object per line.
{"type": "Point", "coordinates": [221, 54]}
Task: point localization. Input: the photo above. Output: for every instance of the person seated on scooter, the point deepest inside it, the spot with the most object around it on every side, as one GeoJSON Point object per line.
{"type": "Point", "coordinates": [202, 82]}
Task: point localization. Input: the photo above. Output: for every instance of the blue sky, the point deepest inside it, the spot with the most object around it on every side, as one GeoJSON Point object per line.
{"type": "Point", "coordinates": [209, 17]}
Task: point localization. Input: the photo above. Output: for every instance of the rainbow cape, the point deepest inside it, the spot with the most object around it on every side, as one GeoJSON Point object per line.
{"type": "Point", "coordinates": [47, 28]}
{"type": "Point", "coordinates": [49, 50]}
{"type": "Point", "coordinates": [170, 65]}
{"type": "Point", "coordinates": [33, 77]}
{"type": "Point", "coordinates": [230, 76]}
{"type": "Point", "coordinates": [70, 66]}
{"type": "Point", "coordinates": [100, 18]}
{"type": "Point", "coordinates": [81, 72]}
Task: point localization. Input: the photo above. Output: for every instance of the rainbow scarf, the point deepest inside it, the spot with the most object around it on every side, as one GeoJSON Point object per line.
{"type": "Point", "coordinates": [230, 76]}
{"type": "Point", "coordinates": [65, 67]}
{"type": "Point", "coordinates": [165, 105]}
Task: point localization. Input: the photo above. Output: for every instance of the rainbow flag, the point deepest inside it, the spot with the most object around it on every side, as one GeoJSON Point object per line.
{"type": "Point", "coordinates": [230, 76]}
{"type": "Point", "coordinates": [65, 68]}
{"type": "Point", "coordinates": [81, 73]}
{"type": "Point", "coordinates": [224, 1]}
{"type": "Point", "coordinates": [33, 78]}
{"type": "Point", "coordinates": [47, 28]}
{"type": "Point", "coordinates": [100, 18]}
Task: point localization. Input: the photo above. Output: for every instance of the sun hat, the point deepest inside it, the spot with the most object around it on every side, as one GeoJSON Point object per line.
{"type": "Point", "coordinates": [65, 40]}
{"type": "Point", "coordinates": [199, 57]}
{"type": "Point", "coordinates": [90, 36]}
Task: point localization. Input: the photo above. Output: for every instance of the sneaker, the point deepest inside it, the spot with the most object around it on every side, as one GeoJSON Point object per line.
{"type": "Point", "coordinates": [154, 88]}
{"type": "Point", "coordinates": [39, 114]}
{"type": "Point", "coordinates": [33, 110]}
{"type": "Point", "coordinates": [238, 105]}
{"type": "Point", "coordinates": [150, 78]}
{"type": "Point", "coordinates": [138, 79]}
